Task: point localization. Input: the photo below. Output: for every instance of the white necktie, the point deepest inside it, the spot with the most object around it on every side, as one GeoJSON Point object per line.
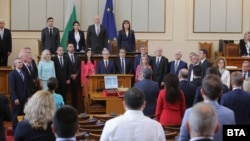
{"type": "Point", "coordinates": [176, 66]}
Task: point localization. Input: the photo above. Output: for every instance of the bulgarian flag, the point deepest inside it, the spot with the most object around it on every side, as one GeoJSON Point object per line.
{"type": "Point", "coordinates": [70, 17]}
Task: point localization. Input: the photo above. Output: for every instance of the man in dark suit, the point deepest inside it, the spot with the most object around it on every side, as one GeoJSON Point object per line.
{"type": "Point", "coordinates": [187, 87]}
{"type": "Point", "coordinates": [50, 37]}
{"type": "Point", "coordinates": [19, 91]}
{"type": "Point", "coordinates": [105, 66]}
{"type": "Point", "coordinates": [137, 60]}
{"type": "Point", "coordinates": [123, 65]}
{"type": "Point", "coordinates": [237, 99]}
{"type": "Point", "coordinates": [177, 64]}
{"type": "Point", "coordinates": [62, 69]}
{"type": "Point", "coordinates": [200, 129]}
{"type": "Point", "coordinates": [29, 68]}
{"type": "Point", "coordinates": [5, 44]}
{"type": "Point", "coordinates": [204, 63]}
{"type": "Point", "coordinates": [97, 36]}
{"type": "Point", "coordinates": [151, 91]}
{"type": "Point", "coordinates": [159, 66]}
{"type": "Point", "coordinates": [75, 65]}
{"type": "Point", "coordinates": [197, 72]}
{"type": "Point", "coordinates": [5, 114]}
{"type": "Point", "coordinates": [246, 69]}
{"type": "Point", "coordinates": [194, 62]}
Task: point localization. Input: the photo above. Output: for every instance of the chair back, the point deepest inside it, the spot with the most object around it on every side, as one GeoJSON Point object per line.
{"type": "Point", "coordinates": [113, 47]}
{"type": "Point", "coordinates": [209, 48]}
{"type": "Point", "coordinates": [231, 50]}
{"type": "Point", "coordinates": [140, 43]}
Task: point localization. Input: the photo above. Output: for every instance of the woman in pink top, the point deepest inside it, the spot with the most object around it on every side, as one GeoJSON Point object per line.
{"type": "Point", "coordinates": [171, 104]}
{"type": "Point", "coordinates": [139, 69]}
{"type": "Point", "coordinates": [88, 67]}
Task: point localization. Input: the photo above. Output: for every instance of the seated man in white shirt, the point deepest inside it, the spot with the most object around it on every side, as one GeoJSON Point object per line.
{"type": "Point", "coordinates": [133, 125]}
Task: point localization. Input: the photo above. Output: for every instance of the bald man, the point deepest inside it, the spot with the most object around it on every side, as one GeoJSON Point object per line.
{"type": "Point", "coordinates": [97, 36]}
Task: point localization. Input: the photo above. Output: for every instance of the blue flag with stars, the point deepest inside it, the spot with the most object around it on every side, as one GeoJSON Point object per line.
{"type": "Point", "coordinates": [108, 21]}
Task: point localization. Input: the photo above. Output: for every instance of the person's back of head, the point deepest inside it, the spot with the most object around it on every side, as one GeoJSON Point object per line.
{"type": "Point", "coordinates": [147, 73]}
{"type": "Point", "coordinates": [213, 70]}
{"type": "Point", "coordinates": [134, 99]}
{"type": "Point", "coordinates": [211, 87]}
{"type": "Point", "coordinates": [65, 122]}
{"type": "Point", "coordinates": [183, 74]}
{"type": "Point", "coordinates": [202, 120]}
{"type": "Point", "coordinates": [236, 79]}
{"type": "Point", "coordinates": [52, 84]}
{"type": "Point", "coordinates": [173, 92]}
{"type": "Point", "coordinates": [197, 71]}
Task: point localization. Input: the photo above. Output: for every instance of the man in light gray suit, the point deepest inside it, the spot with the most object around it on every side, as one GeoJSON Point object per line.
{"type": "Point", "coordinates": [50, 37]}
{"type": "Point", "coordinates": [211, 90]}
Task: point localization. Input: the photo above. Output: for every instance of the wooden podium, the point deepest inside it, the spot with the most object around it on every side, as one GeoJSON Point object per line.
{"type": "Point", "coordinates": [113, 103]}
{"type": "Point", "coordinates": [236, 61]}
{"type": "Point", "coordinates": [4, 81]}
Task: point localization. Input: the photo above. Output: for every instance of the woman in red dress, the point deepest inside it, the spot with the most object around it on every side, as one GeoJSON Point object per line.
{"type": "Point", "coordinates": [88, 67]}
{"type": "Point", "coordinates": [171, 104]}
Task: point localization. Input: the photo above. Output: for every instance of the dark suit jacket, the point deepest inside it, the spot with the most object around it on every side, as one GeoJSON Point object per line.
{"type": "Point", "coordinates": [189, 91]}
{"type": "Point", "coordinates": [151, 92]}
{"type": "Point", "coordinates": [238, 101]}
{"type": "Point", "coordinates": [197, 81]}
{"type": "Point", "coordinates": [160, 71]}
{"type": "Point", "coordinates": [102, 70]}
{"type": "Point", "coordinates": [50, 43]}
{"type": "Point", "coordinates": [125, 41]}
{"type": "Point", "coordinates": [97, 43]}
{"type": "Point", "coordinates": [5, 114]}
{"type": "Point", "coordinates": [206, 64]}
{"type": "Point", "coordinates": [6, 43]}
{"type": "Point", "coordinates": [81, 43]}
{"type": "Point", "coordinates": [243, 50]}
{"type": "Point", "coordinates": [62, 73]}
{"type": "Point", "coordinates": [19, 89]}
{"type": "Point", "coordinates": [74, 67]}
{"type": "Point", "coordinates": [198, 97]}
{"type": "Point", "coordinates": [137, 61]}
{"type": "Point", "coordinates": [25, 132]}
{"type": "Point", "coordinates": [128, 66]}
{"type": "Point", "coordinates": [182, 65]}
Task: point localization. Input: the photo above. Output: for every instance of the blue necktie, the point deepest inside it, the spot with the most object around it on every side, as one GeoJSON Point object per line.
{"type": "Point", "coordinates": [158, 62]}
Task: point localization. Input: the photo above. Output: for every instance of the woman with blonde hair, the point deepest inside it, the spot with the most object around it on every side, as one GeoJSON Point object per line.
{"type": "Point", "coordinates": [46, 69]}
{"type": "Point", "coordinates": [220, 64]}
{"type": "Point", "coordinates": [245, 44]}
{"type": "Point", "coordinates": [39, 112]}
{"type": "Point", "coordinates": [139, 69]}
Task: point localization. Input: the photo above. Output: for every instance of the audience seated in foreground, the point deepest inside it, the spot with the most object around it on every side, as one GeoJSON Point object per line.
{"type": "Point", "coordinates": [133, 125]}
{"type": "Point", "coordinates": [65, 123]}
{"type": "Point", "coordinates": [202, 122]}
{"type": "Point", "coordinates": [39, 111]}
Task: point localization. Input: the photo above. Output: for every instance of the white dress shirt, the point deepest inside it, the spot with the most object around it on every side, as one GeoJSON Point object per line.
{"type": "Point", "coordinates": [132, 126]}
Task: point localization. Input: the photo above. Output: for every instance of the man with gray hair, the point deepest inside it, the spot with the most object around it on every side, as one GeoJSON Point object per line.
{"type": "Point", "coordinates": [177, 64]}
{"type": "Point", "coordinates": [202, 122]}
{"type": "Point", "coordinates": [5, 44]}
{"type": "Point", "coordinates": [133, 125]}
{"type": "Point", "coordinates": [151, 91]}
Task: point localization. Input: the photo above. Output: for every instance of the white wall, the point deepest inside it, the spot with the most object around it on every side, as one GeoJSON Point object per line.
{"type": "Point", "coordinates": [178, 36]}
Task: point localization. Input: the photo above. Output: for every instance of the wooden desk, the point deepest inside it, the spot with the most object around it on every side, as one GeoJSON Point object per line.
{"type": "Point", "coordinates": [236, 61]}
{"type": "Point", "coordinates": [97, 81]}
{"type": "Point", "coordinates": [4, 81]}
{"type": "Point", "coordinates": [113, 103]}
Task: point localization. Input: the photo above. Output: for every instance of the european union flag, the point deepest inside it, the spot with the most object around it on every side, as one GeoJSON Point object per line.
{"type": "Point", "coordinates": [109, 21]}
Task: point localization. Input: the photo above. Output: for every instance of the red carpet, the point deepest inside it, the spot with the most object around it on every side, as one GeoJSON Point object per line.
{"type": "Point", "coordinates": [9, 134]}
